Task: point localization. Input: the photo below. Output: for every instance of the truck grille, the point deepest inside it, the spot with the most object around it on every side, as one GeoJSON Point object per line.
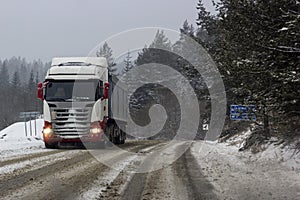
{"type": "Point", "coordinates": [71, 122]}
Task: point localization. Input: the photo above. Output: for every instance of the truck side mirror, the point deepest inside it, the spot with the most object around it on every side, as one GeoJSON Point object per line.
{"type": "Point", "coordinates": [106, 90]}
{"type": "Point", "coordinates": [40, 91]}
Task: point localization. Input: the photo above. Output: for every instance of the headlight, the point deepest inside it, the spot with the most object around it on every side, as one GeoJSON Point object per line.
{"type": "Point", "coordinates": [95, 130]}
{"type": "Point", "coordinates": [48, 131]}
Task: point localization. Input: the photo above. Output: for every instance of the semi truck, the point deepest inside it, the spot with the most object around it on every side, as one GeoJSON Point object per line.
{"type": "Point", "coordinates": [78, 104]}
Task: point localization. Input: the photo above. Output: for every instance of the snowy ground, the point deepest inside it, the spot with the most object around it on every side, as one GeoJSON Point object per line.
{"type": "Point", "coordinates": [207, 170]}
{"type": "Point", "coordinates": [273, 173]}
{"type": "Point", "coordinates": [274, 150]}
{"type": "Point", "coordinates": [13, 139]}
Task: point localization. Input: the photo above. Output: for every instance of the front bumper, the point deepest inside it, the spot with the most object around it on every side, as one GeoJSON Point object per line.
{"type": "Point", "coordinates": [88, 138]}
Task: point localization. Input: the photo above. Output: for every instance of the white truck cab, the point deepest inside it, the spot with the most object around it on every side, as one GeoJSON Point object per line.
{"type": "Point", "coordinates": [75, 97]}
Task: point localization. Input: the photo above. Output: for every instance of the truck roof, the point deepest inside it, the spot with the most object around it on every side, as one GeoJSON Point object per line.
{"type": "Point", "coordinates": [97, 61]}
{"type": "Point", "coordinates": [70, 68]}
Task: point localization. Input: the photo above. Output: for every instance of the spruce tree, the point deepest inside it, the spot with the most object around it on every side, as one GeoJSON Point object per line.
{"type": "Point", "coordinates": [4, 75]}
{"type": "Point", "coordinates": [161, 41]}
{"type": "Point", "coordinates": [106, 51]}
{"type": "Point", "coordinates": [127, 62]}
{"type": "Point", "coordinates": [16, 80]}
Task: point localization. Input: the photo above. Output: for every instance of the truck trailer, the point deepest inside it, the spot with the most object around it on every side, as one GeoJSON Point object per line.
{"type": "Point", "coordinates": [78, 104]}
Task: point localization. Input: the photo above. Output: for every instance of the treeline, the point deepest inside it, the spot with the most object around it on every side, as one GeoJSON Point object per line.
{"type": "Point", "coordinates": [18, 83]}
{"type": "Point", "coordinates": [256, 45]}
{"type": "Point", "coordinates": [162, 51]}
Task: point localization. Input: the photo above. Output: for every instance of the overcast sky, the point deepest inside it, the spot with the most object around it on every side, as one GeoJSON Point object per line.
{"type": "Point", "coordinates": [42, 29]}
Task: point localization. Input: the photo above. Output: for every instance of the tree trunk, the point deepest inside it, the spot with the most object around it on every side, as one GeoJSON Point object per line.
{"type": "Point", "coordinates": [266, 122]}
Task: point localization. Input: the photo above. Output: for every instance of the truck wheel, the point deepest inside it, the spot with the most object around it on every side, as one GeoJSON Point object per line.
{"type": "Point", "coordinates": [123, 136]}
{"type": "Point", "coordinates": [117, 135]}
{"type": "Point", "coordinates": [108, 135]}
{"type": "Point", "coordinates": [50, 145]}
{"type": "Point", "coordinates": [117, 140]}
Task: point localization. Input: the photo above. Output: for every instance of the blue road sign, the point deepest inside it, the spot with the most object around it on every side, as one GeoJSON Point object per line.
{"type": "Point", "coordinates": [242, 112]}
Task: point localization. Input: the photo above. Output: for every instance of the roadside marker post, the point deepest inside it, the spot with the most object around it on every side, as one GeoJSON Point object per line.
{"type": "Point", "coordinates": [30, 115]}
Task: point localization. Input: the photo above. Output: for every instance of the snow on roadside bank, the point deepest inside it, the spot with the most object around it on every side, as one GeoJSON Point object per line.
{"type": "Point", "coordinates": [272, 173]}
{"type": "Point", "coordinates": [285, 155]}
{"type": "Point", "coordinates": [274, 150]}
{"type": "Point", "coordinates": [13, 140]}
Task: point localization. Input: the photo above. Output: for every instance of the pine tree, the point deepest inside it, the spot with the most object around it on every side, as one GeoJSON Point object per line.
{"type": "Point", "coordinates": [187, 31]}
{"type": "Point", "coordinates": [204, 17]}
{"type": "Point", "coordinates": [207, 31]}
{"type": "Point", "coordinates": [183, 47]}
{"type": "Point", "coordinates": [161, 41]}
{"type": "Point", "coordinates": [127, 62]}
{"type": "Point", "coordinates": [37, 78]}
{"type": "Point", "coordinates": [24, 72]}
{"type": "Point", "coordinates": [16, 80]}
{"type": "Point", "coordinates": [159, 51]}
{"type": "Point", "coordinates": [6, 95]}
{"type": "Point", "coordinates": [31, 79]}
{"type": "Point", "coordinates": [4, 75]}
{"type": "Point", "coordinates": [106, 51]}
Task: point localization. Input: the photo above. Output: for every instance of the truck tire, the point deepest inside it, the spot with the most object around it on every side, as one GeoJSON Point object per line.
{"type": "Point", "coordinates": [123, 137]}
{"type": "Point", "coordinates": [50, 145]}
{"type": "Point", "coordinates": [109, 137]}
{"type": "Point", "coordinates": [116, 135]}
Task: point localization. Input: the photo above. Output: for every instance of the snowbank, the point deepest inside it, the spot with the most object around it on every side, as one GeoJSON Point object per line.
{"type": "Point", "coordinates": [13, 139]}
{"type": "Point", "coordinates": [274, 150]}
{"type": "Point", "coordinates": [285, 155]}
{"type": "Point", "coordinates": [269, 174]}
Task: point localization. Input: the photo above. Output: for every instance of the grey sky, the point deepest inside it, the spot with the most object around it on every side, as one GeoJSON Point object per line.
{"type": "Point", "coordinates": [47, 28]}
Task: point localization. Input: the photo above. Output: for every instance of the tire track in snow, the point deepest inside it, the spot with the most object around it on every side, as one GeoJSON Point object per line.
{"type": "Point", "coordinates": [144, 185]}
{"type": "Point", "coordinates": [28, 157]}
{"type": "Point", "coordinates": [181, 179]}
{"type": "Point", "coordinates": [188, 171]}
{"type": "Point", "coordinates": [20, 178]}
{"type": "Point", "coordinates": [69, 177]}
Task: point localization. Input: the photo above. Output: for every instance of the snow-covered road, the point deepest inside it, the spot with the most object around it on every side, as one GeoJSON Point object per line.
{"type": "Point", "coordinates": [181, 170]}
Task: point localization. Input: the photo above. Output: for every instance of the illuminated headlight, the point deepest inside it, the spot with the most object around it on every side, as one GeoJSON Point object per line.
{"type": "Point", "coordinates": [95, 130]}
{"type": "Point", "coordinates": [48, 131]}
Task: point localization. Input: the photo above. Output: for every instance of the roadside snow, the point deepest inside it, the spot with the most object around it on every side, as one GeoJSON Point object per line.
{"type": "Point", "coordinates": [13, 140]}
{"type": "Point", "coordinates": [271, 174]}
{"type": "Point", "coordinates": [238, 140]}
{"type": "Point", "coordinates": [274, 150]}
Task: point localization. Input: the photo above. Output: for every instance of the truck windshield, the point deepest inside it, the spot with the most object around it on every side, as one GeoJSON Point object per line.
{"type": "Point", "coordinates": [83, 90]}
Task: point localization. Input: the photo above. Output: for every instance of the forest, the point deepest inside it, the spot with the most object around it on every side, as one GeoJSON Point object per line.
{"type": "Point", "coordinates": [255, 45]}
{"type": "Point", "coordinates": [18, 88]}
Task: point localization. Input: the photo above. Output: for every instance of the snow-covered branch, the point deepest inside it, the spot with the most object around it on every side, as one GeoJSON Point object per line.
{"type": "Point", "coordinates": [284, 49]}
